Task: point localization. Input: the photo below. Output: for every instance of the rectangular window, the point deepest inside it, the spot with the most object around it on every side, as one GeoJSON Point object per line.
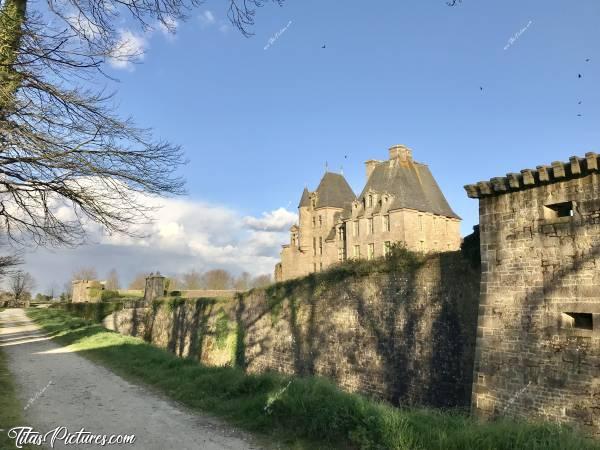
{"type": "Point", "coordinates": [371, 251]}
{"type": "Point", "coordinates": [356, 230]}
{"type": "Point", "coordinates": [321, 267]}
{"type": "Point", "coordinates": [356, 251]}
{"type": "Point", "coordinates": [370, 226]}
{"type": "Point", "coordinates": [370, 201]}
{"type": "Point", "coordinates": [556, 210]}
{"type": "Point", "coordinates": [314, 267]}
{"type": "Point", "coordinates": [314, 246]}
{"type": "Point", "coordinates": [341, 255]}
{"type": "Point", "coordinates": [320, 221]}
{"type": "Point", "coordinates": [320, 246]}
{"type": "Point", "coordinates": [580, 321]}
{"type": "Point", "coordinates": [341, 233]}
{"type": "Point", "coordinates": [314, 222]}
{"type": "Point", "coordinates": [387, 245]}
{"type": "Point", "coordinates": [386, 223]}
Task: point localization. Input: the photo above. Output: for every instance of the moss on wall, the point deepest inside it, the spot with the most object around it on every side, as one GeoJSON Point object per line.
{"type": "Point", "coordinates": [401, 328]}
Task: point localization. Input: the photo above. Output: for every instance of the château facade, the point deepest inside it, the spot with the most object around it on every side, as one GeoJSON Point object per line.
{"type": "Point", "coordinates": [401, 202]}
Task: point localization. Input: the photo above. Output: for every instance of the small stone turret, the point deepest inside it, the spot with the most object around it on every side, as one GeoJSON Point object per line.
{"type": "Point", "coordinates": [155, 287]}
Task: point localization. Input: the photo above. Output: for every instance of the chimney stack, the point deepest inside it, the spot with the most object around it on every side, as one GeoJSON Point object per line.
{"type": "Point", "coordinates": [370, 166]}
{"type": "Point", "coordinates": [401, 152]}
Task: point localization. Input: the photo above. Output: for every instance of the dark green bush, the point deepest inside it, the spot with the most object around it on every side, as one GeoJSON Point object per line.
{"type": "Point", "coordinates": [109, 295]}
{"type": "Point", "coordinates": [94, 312]}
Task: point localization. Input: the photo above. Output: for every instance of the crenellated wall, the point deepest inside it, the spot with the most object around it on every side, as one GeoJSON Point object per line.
{"type": "Point", "coordinates": [538, 338]}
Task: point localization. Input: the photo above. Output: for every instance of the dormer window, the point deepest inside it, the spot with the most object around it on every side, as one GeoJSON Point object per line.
{"type": "Point", "coordinates": [314, 203]}
{"type": "Point", "coordinates": [370, 201]}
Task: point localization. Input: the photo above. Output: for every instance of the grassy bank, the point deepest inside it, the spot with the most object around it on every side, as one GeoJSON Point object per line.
{"type": "Point", "coordinates": [301, 412]}
{"type": "Point", "coordinates": [11, 410]}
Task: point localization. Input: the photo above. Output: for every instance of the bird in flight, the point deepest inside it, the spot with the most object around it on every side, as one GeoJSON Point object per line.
{"type": "Point", "coordinates": [587, 59]}
{"type": "Point", "coordinates": [323, 46]}
{"type": "Point", "coordinates": [578, 115]}
{"type": "Point", "coordinates": [481, 88]}
{"type": "Point", "coordinates": [579, 75]}
{"type": "Point", "coordinates": [579, 102]}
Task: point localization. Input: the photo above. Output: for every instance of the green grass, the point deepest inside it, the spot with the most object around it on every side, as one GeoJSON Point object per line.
{"type": "Point", "coordinates": [301, 413]}
{"type": "Point", "coordinates": [11, 410]}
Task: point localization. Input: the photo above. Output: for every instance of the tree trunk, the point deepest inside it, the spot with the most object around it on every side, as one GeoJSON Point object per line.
{"type": "Point", "coordinates": [12, 18]}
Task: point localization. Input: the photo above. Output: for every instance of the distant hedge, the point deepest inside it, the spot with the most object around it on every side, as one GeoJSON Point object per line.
{"type": "Point", "coordinates": [95, 312]}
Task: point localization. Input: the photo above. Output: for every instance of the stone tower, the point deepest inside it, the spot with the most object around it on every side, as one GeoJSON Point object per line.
{"type": "Point", "coordinates": [538, 336]}
{"type": "Point", "coordinates": [155, 287]}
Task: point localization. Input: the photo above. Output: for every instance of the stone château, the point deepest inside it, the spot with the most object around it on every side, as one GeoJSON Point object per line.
{"type": "Point", "coordinates": [400, 202]}
{"type": "Point", "coordinates": [538, 337]}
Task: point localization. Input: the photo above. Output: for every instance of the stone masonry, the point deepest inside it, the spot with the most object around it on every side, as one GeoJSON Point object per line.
{"type": "Point", "coordinates": [405, 337]}
{"type": "Point", "coordinates": [401, 202]}
{"type": "Point", "coordinates": [538, 336]}
{"type": "Point", "coordinates": [155, 287]}
{"type": "Point", "coordinates": [87, 291]}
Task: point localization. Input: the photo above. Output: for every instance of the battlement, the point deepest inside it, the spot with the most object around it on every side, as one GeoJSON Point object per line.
{"type": "Point", "coordinates": [528, 178]}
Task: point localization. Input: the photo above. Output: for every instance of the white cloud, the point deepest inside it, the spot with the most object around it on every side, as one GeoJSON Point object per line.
{"type": "Point", "coordinates": [207, 18]}
{"type": "Point", "coordinates": [279, 220]}
{"type": "Point", "coordinates": [186, 234]}
{"type": "Point", "coordinates": [128, 50]}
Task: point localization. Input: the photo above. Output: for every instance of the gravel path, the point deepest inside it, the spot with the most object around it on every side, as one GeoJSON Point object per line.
{"type": "Point", "coordinates": [60, 388]}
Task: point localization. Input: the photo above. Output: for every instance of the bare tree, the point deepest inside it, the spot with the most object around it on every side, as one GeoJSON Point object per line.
{"type": "Point", "coordinates": [61, 144]}
{"type": "Point", "coordinates": [242, 282]}
{"type": "Point", "coordinates": [261, 281]}
{"type": "Point", "coordinates": [192, 280]}
{"type": "Point", "coordinates": [112, 281]}
{"type": "Point", "coordinates": [21, 283]}
{"type": "Point", "coordinates": [85, 273]}
{"type": "Point", "coordinates": [138, 282]}
{"type": "Point", "coordinates": [8, 264]}
{"type": "Point", "coordinates": [217, 279]}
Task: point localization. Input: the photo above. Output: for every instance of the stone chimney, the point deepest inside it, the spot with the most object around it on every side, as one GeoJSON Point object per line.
{"type": "Point", "coordinates": [370, 165]}
{"type": "Point", "coordinates": [401, 153]}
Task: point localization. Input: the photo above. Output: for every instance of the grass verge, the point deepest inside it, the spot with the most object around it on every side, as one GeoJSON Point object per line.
{"type": "Point", "coordinates": [300, 412]}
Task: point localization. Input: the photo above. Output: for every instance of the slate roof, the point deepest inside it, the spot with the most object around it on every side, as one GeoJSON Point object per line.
{"type": "Point", "coordinates": [412, 186]}
{"type": "Point", "coordinates": [334, 191]}
{"type": "Point", "coordinates": [304, 200]}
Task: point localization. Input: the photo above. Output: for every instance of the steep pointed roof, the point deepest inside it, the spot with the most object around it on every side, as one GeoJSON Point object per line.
{"type": "Point", "coordinates": [304, 200]}
{"type": "Point", "coordinates": [412, 186]}
{"type": "Point", "coordinates": [334, 191]}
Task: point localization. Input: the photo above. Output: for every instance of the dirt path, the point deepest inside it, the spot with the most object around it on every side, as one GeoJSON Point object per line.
{"type": "Point", "coordinates": [60, 388]}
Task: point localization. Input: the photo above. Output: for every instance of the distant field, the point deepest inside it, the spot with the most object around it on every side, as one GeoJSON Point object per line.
{"type": "Point", "coordinates": [300, 413]}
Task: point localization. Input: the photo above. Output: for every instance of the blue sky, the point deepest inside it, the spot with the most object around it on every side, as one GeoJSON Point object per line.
{"type": "Point", "coordinates": [259, 124]}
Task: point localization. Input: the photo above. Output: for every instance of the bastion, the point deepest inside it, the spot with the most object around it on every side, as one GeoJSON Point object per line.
{"type": "Point", "coordinates": [538, 335]}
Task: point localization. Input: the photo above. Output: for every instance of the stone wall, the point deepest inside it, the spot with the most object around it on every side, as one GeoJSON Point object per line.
{"type": "Point", "coordinates": [538, 338]}
{"type": "Point", "coordinates": [405, 336]}
{"type": "Point", "coordinates": [87, 291]}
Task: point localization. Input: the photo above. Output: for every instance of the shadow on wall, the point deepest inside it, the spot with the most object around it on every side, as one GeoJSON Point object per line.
{"type": "Point", "coordinates": [405, 335]}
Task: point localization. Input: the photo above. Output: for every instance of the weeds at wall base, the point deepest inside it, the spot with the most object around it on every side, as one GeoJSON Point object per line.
{"type": "Point", "coordinates": [310, 412]}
